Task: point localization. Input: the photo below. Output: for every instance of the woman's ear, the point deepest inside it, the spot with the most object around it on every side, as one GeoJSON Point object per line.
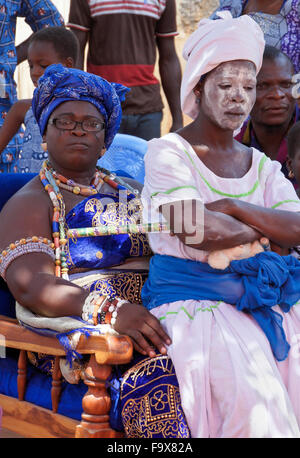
{"type": "Point", "coordinates": [102, 152]}
{"type": "Point", "coordinates": [44, 143]}
{"type": "Point", "coordinates": [198, 91]}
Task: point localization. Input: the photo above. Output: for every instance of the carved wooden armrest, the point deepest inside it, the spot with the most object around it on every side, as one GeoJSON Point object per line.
{"type": "Point", "coordinates": [108, 349]}
{"type": "Point", "coordinates": [105, 350]}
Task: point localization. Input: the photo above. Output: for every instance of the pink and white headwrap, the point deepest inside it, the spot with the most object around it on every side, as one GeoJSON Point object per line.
{"type": "Point", "coordinates": [214, 42]}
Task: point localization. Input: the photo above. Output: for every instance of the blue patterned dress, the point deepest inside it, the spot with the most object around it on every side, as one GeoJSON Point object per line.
{"type": "Point", "coordinates": [32, 154]}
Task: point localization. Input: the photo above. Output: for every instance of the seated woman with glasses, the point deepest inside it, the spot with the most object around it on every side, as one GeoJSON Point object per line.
{"type": "Point", "coordinates": [94, 283]}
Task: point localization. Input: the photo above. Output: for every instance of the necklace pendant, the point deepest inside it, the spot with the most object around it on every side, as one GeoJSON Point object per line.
{"type": "Point", "coordinates": [76, 190]}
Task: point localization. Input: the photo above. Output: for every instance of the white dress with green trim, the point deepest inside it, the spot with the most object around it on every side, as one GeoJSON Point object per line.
{"type": "Point", "coordinates": [230, 383]}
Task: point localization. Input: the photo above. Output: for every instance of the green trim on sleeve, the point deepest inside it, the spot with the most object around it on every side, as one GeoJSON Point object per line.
{"type": "Point", "coordinates": [169, 191]}
{"type": "Point", "coordinates": [285, 202]}
{"type": "Point", "coordinates": [191, 317]}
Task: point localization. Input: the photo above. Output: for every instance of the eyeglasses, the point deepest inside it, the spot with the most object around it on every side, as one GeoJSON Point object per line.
{"type": "Point", "coordinates": [88, 125]}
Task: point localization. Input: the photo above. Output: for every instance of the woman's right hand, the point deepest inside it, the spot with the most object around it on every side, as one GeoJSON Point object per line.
{"type": "Point", "coordinates": [144, 329]}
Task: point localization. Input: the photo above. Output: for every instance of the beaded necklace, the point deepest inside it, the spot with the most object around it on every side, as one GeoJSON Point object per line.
{"type": "Point", "coordinates": [52, 181]}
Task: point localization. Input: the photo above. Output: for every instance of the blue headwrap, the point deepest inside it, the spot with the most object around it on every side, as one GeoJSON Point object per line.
{"type": "Point", "coordinates": [60, 84]}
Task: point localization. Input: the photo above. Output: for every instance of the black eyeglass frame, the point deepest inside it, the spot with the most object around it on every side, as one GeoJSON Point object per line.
{"type": "Point", "coordinates": [53, 121]}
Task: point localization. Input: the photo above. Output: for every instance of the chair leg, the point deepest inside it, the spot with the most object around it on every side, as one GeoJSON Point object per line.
{"type": "Point", "coordinates": [56, 384]}
{"type": "Point", "coordinates": [22, 371]}
{"type": "Point", "coordinates": [96, 403]}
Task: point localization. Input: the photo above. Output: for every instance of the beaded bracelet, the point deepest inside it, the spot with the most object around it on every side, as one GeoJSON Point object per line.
{"type": "Point", "coordinates": [91, 306]}
{"type": "Point", "coordinates": [98, 309]}
{"type": "Point", "coordinates": [115, 312]}
{"type": "Point", "coordinates": [20, 247]}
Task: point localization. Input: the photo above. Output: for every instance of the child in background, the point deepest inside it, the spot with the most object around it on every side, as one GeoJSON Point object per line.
{"type": "Point", "coordinates": [51, 45]}
{"type": "Point", "coordinates": [293, 161]}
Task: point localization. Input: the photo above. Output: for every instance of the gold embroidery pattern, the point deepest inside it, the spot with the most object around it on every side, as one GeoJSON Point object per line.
{"type": "Point", "coordinates": [94, 205]}
{"type": "Point", "coordinates": [135, 209]}
{"type": "Point", "coordinates": [156, 412]}
{"type": "Point", "coordinates": [138, 240]}
{"type": "Point", "coordinates": [43, 362]}
{"type": "Point", "coordinates": [127, 285]}
{"type": "Point", "coordinates": [145, 368]}
{"type": "Point", "coordinates": [121, 213]}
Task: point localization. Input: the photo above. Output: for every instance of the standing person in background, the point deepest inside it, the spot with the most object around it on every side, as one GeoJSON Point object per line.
{"type": "Point", "coordinates": [122, 42]}
{"type": "Point", "coordinates": [278, 19]}
{"type": "Point", "coordinates": [37, 14]}
{"type": "Point", "coordinates": [275, 109]}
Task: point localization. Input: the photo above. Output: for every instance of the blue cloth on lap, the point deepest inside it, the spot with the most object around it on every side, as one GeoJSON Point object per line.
{"type": "Point", "coordinates": [253, 285]}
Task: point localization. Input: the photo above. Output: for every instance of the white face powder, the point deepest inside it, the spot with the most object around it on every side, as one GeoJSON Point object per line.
{"type": "Point", "coordinates": [229, 93]}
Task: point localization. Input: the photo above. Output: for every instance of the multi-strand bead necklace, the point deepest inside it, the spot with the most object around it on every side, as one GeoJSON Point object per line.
{"type": "Point", "coordinates": [52, 182]}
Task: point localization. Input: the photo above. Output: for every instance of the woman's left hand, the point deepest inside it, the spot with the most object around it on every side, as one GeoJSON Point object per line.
{"type": "Point", "coordinates": [144, 329]}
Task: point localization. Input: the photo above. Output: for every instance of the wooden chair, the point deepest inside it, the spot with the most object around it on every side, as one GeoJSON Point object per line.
{"type": "Point", "coordinates": [30, 420]}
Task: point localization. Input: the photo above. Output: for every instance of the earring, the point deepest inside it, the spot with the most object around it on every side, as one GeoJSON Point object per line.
{"type": "Point", "coordinates": [291, 174]}
{"type": "Point", "coordinates": [198, 98]}
{"type": "Point", "coordinates": [103, 151]}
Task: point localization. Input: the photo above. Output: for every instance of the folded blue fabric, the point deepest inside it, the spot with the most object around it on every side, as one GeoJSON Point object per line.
{"type": "Point", "coordinates": [253, 285]}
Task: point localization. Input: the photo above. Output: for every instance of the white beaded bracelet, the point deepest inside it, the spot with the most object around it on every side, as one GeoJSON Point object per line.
{"type": "Point", "coordinates": [88, 307]}
{"type": "Point", "coordinates": [115, 311]}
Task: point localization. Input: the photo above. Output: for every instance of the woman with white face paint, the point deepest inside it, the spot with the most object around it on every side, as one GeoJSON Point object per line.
{"type": "Point", "coordinates": [234, 331]}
